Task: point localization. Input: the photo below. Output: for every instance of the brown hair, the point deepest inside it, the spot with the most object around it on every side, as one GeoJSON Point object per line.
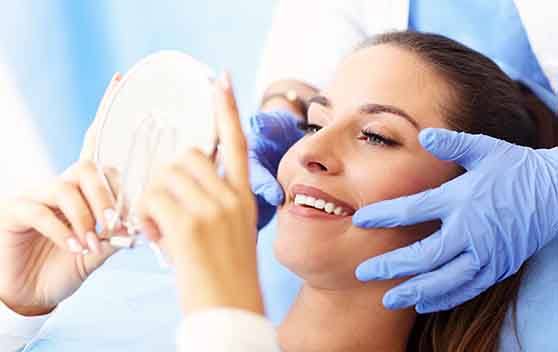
{"type": "Point", "coordinates": [481, 99]}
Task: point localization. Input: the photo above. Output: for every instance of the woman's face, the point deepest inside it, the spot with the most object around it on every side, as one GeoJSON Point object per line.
{"type": "Point", "coordinates": [362, 149]}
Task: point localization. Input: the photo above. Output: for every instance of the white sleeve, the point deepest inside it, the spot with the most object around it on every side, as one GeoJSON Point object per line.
{"type": "Point", "coordinates": [308, 38]}
{"type": "Point", "coordinates": [17, 330]}
{"type": "Point", "coordinates": [226, 330]}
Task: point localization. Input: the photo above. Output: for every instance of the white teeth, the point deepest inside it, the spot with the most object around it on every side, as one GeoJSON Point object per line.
{"type": "Point", "coordinates": [338, 211]}
{"type": "Point", "coordinates": [310, 201]}
{"type": "Point", "coordinates": [329, 207]}
{"type": "Point", "coordinates": [319, 204]}
{"type": "Point", "coordinates": [300, 199]}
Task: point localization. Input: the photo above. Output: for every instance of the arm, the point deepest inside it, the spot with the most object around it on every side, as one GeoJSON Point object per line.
{"type": "Point", "coordinates": [207, 226]}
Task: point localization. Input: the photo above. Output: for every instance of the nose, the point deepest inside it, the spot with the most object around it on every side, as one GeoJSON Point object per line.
{"type": "Point", "coordinates": [319, 154]}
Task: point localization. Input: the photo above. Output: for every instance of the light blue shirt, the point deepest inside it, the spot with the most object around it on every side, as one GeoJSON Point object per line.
{"type": "Point", "coordinates": [493, 28]}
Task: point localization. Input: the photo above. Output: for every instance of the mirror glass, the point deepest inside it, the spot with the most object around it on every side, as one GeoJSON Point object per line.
{"type": "Point", "coordinates": [163, 105]}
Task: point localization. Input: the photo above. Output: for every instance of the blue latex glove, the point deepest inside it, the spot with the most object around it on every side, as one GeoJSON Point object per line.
{"type": "Point", "coordinates": [494, 217]}
{"type": "Point", "coordinates": [269, 137]}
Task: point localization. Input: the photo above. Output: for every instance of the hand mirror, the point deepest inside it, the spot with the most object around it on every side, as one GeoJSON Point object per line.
{"type": "Point", "coordinates": [163, 105]}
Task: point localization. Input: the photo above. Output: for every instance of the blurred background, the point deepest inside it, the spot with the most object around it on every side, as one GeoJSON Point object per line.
{"type": "Point", "coordinates": [57, 56]}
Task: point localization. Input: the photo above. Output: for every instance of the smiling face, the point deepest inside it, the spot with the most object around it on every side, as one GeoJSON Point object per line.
{"type": "Point", "coordinates": [361, 147]}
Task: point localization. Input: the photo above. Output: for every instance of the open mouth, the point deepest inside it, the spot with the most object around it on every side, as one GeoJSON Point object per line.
{"type": "Point", "coordinates": [312, 201]}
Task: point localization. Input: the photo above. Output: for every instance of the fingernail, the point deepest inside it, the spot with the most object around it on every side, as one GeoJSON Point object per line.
{"type": "Point", "coordinates": [93, 242]}
{"type": "Point", "coordinates": [366, 272]}
{"type": "Point", "coordinates": [357, 219]}
{"type": "Point", "coordinates": [74, 245]}
{"type": "Point", "coordinates": [400, 299]}
{"type": "Point", "coordinates": [224, 80]}
{"type": "Point", "coordinates": [273, 196]}
{"type": "Point", "coordinates": [427, 137]}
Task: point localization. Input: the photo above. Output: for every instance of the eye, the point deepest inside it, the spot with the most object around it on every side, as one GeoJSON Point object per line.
{"type": "Point", "coordinates": [376, 139]}
{"type": "Point", "coordinates": [308, 128]}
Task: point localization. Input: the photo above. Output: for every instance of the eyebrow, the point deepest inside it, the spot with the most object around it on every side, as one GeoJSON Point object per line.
{"type": "Point", "coordinates": [369, 108]}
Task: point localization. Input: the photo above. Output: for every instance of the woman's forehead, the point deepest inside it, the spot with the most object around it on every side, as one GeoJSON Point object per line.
{"type": "Point", "coordinates": [386, 74]}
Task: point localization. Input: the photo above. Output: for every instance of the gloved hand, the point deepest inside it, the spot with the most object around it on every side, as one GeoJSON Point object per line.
{"type": "Point", "coordinates": [269, 138]}
{"type": "Point", "coordinates": [494, 217]}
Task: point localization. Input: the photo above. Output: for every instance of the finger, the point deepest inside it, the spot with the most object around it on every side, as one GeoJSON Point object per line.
{"type": "Point", "coordinates": [202, 170]}
{"type": "Point", "coordinates": [420, 257]}
{"type": "Point", "coordinates": [465, 149]}
{"type": "Point", "coordinates": [42, 219]}
{"type": "Point", "coordinates": [409, 210]}
{"type": "Point", "coordinates": [97, 257]}
{"type": "Point", "coordinates": [162, 210]}
{"type": "Point", "coordinates": [190, 194]}
{"type": "Point", "coordinates": [90, 140]}
{"type": "Point", "coordinates": [459, 295]}
{"type": "Point", "coordinates": [277, 127]}
{"type": "Point", "coordinates": [264, 184]}
{"type": "Point", "coordinates": [71, 202]}
{"type": "Point", "coordinates": [428, 287]}
{"type": "Point", "coordinates": [111, 179]}
{"type": "Point", "coordinates": [233, 144]}
{"type": "Point", "coordinates": [96, 192]}
{"type": "Point", "coordinates": [151, 230]}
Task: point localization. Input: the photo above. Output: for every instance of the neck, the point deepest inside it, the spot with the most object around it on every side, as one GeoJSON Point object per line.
{"type": "Point", "coordinates": [348, 320]}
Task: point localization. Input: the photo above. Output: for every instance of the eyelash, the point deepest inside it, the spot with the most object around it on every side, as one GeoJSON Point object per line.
{"type": "Point", "coordinates": [370, 137]}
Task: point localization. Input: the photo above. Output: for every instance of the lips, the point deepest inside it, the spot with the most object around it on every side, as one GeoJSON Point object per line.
{"type": "Point", "coordinates": [316, 193]}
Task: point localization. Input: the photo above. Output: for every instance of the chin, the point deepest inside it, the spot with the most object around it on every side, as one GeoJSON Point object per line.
{"type": "Point", "coordinates": [326, 253]}
{"type": "Point", "coordinates": [314, 251]}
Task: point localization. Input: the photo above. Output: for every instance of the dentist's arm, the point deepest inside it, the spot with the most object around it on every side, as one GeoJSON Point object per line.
{"type": "Point", "coordinates": [494, 217]}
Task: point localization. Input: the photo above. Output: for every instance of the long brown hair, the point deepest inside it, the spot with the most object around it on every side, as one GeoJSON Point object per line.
{"type": "Point", "coordinates": [481, 99]}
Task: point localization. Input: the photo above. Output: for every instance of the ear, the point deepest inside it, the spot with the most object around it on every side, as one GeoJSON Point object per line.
{"type": "Point", "coordinates": [90, 140]}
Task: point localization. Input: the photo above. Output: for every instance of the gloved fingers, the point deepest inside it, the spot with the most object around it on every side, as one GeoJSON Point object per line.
{"type": "Point", "coordinates": [409, 210]}
{"type": "Point", "coordinates": [265, 212]}
{"type": "Point", "coordinates": [428, 287]}
{"type": "Point", "coordinates": [279, 127]}
{"type": "Point", "coordinates": [471, 289]}
{"type": "Point", "coordinates": [465, 149]}
{"type": "Point", "coordinates": [420, 257]}
{"type": "Point", "coordinates": [264, 184]}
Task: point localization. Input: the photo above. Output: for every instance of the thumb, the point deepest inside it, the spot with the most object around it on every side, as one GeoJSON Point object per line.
{"type": "Point", "coordinates": [92, 261]}
{"type": "Point", "coordinates": [465, 149]}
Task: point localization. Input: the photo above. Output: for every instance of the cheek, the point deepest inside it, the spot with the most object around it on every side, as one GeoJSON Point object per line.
{"type": "Point", "coordinates": [288, 167]}
{"type": "Point", "coordinates": [393, 175]}
{"type": "Point", "coordinates": [369, 177]}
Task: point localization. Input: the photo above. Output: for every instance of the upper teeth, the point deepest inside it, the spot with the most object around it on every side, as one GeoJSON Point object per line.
{"type": "Point", "coordinates": [328, 207]}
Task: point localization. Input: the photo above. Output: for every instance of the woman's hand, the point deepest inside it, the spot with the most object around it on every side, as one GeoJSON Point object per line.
{"type": "Point", "coordinates": [43, 234]}
{"type": "Point", "coordinates": [207, 224]}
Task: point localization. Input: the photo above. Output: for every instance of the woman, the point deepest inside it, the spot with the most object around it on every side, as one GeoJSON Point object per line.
{"type": "Point", "coordinates": [361, 131]}
{"type": "Point", "coordinates": [361, 146]}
